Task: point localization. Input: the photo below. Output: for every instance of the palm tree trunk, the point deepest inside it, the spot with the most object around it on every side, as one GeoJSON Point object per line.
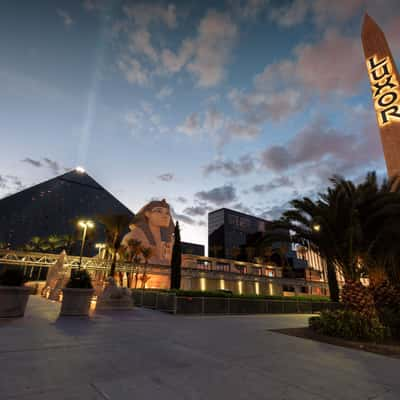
{"type": "Point", "coordinates": [332, 281]}
{"type": "Point", "coordinates": [113, 264]}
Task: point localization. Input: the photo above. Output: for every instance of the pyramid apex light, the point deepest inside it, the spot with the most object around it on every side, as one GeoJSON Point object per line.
{"type": "Point", "coordinates": [80, 169]}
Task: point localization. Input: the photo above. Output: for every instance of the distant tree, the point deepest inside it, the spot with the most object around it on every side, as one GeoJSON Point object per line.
{"type": "Point", "coordinates": [68, 241]}
{"type": "Point", "coordinates": [176, 259]}
{"type": "Point", "coordinates": [36, 243]}
{"type": "Point", "coordinates": [54, 242]}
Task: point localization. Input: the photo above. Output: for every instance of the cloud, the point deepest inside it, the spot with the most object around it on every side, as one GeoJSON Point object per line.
{"type": "Point", "coordinates": [213, 46]}
{"type": "Point", "coordinates": [327, 12]}
{"type": "Point", "coordinates": [175, 62]}
{"type": "Point", "coordinates": [275, 212]}
{"type": "Point", "coordinates": [10, 184]}
{"type": "Point", "coordinates": [196, 211]}
{"type": "Point", "coordinates": [183, 218]}
{"type": "Point", "coordinates": [260, 106]}
{"type": "Point", "coordinates": [276, 183]}
{"type": "Point", "coordinates": [133, 71]}
{"type": "Point", "coordinates": [205, 56]}
{"type": "Point", "coordinates": [143, 14]}
{"type": "Point", "coordinates": [290, 14]}
{"type": "Point", "coordinates": [219, 195]}
{"type": "Point", "coordinates": [248, 9]}
{"type": "Point", "coordinates": [140, 42]}
{"type": "Point", "coordinates": [95, 5]}
{"type": "Point", "coordinates": [191, 125]}
{"type": "Point", "coordinates": [35, 163]}
{"type": "Point", "coordinates": [219, 127]}
{"type": "Point", "coordinates": [332, 66]}
{"type": "Point", "coordinates": [181, 199]}
{"type": "Point", "coordinates": [326, 150]}
{"type": "Point", "coordinates": [167, 177]}
{"type": "Point", "coordinates": [322, 11]}
{"type": "Point", "coordinates": [55, 166]}
{"type": "Point", "coordinates": [164, 92]}
{"type": "Point", "coordinates": [244, 165]}
{"type": "Point", "coordinates": [68, 21]}
{"type": "Point", "coordinates": [242, 208]}
{"type": "Point", "coordinates": [140, 17]}
{"type": "Point", "coordinates": [144, 120]}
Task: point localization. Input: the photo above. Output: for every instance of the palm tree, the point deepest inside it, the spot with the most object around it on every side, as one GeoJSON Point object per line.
{"type": "Point", "coordinates": [36, 243]}
{"type": "Point", "coordinates": [115, 225]}
{"type": "Point", "coordinates": [54, 242]}
{"type": "Point", "coordinates": [68, 242]}
{"type": "Point", "coordinates": [146, 252]}
{"type": "Point", "coordinates": [133, 250]}
{"type": "Point", "coordinates": [352, 226]}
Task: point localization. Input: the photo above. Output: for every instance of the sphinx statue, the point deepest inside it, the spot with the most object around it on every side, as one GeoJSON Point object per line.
{"type": "Point", "coordinates": [153, 227]}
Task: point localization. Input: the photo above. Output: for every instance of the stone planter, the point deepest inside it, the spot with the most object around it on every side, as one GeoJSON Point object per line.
{"type": "Point", "coordinates": [13, 300]}
{"type": "Point", "coordinates": [76, 301]}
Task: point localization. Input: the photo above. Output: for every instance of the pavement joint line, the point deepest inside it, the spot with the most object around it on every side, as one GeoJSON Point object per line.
{"type": "Point", "coordinates": [99, 391]}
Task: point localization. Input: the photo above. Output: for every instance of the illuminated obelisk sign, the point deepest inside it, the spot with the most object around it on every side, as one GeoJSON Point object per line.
{"type": "Point", "coordinates": [384, 79]}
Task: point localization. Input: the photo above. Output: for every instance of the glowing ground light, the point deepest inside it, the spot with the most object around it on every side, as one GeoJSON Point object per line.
{"type": "Point", "coordinates": [80, 170]}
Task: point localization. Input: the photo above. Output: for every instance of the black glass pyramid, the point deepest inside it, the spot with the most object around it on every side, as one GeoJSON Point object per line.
{"type": "Point", "coordinates": [54, 207]}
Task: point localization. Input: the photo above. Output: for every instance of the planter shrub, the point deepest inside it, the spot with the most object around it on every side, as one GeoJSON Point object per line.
{"type": "Point", "coordinates": [349, 325]}
{"type": "Point", "coordinates": [77, 294]}
{"type": "Point", "coordinates": [13, 295]}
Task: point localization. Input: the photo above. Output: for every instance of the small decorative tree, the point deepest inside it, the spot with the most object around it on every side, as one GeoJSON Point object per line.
{"type": "Point", "coordinates": [147, 252]}
{"type": "Point", "coordinates": [115, 225]}
{"type": "Point", "coordinates": [134, 258]}
{"type": "Point", "coordinates": [176, 259]}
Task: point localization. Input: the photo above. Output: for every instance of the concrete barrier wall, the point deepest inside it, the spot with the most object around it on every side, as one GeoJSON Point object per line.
{"type": "Point", "coordinates": [169, 302]}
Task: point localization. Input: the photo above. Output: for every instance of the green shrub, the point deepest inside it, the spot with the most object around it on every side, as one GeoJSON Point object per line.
{"type": "Point", "coordinates": [314, 323]}
{"type": "Point", "coordinates": [229, 293]}
{"type": "Point", "coordinates": [80, 279]}
{"type": "Point", "coordinates": [12, 277]}
{"type": "Point", "coordinates": [391, 318]}
{"type": "Point", "coordinates": [348, 325]}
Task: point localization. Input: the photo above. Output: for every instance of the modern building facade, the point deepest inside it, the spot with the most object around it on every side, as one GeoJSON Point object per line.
{"type": "Point", "coordinates": [228, 230]}
{"type": "Point", "coordinates": [193, 248]}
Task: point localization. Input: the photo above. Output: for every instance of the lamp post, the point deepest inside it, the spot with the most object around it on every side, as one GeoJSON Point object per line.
{"type": "Point", "coordinates": [84, 225]}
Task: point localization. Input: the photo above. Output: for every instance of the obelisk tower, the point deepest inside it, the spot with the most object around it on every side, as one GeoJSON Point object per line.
{"type": "Point", "coordinates": [384, 79]}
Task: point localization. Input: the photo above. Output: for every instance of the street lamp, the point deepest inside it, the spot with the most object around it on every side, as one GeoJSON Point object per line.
{"type": "Point", "coordinates": [316, 227]}
{"type": "Point", "coordinates": [84, 224]}
{"type": "Point", "coordinates": [100, 247]}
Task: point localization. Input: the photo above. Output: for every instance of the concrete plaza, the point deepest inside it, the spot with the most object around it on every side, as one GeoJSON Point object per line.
{"type": "Point", "coordinates": [145, 354]}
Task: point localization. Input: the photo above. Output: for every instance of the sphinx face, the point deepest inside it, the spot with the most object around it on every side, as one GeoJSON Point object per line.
{"type": "Point", "coordinates": [159, 217]}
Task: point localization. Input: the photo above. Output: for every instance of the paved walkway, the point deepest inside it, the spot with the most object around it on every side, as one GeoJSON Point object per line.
{"type": "Point", "coordinates": [149, 355]}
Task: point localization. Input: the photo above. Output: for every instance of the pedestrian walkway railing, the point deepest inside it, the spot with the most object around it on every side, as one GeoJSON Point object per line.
{"type": "Point", "coordinates": [170, 302]}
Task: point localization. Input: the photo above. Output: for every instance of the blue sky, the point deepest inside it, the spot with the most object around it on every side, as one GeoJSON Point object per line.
{"type": "Point", "coordinates": [243, 104]}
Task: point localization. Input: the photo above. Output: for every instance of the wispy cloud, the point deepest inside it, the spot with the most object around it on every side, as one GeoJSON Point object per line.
{"type": "Point", "coordinates": [167, 177]}
{"type": "Point", "coordinates": [66, 17]}
{"type": "Point", "coordinates": [219, 195]}
{"type": "Point", "coordinates": [46, 162]}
